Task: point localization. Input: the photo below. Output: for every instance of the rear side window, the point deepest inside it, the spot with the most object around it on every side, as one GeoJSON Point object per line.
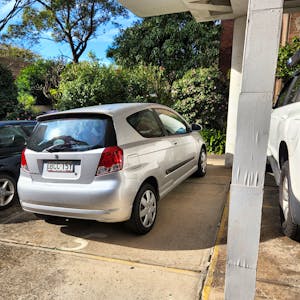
{"type": "Point", "coordinates": [12, 139]}
{"type": "Point", "coordinates": [145, 123]}
{"type": "Point", "coordinates": [73, 134]}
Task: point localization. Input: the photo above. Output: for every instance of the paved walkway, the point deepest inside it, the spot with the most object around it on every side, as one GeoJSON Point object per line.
{"type": "Point", "coordinates": [90, 260]}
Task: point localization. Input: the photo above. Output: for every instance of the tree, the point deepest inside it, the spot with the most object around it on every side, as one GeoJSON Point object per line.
{"type": "Point", "coordinates": [174, 42]}
{"type": "Point", "coordinates": [73, 21]}
{"type": "Point", "coordinates": [17, 7]}
{"type": "Point", "coordinates": [8, 92]}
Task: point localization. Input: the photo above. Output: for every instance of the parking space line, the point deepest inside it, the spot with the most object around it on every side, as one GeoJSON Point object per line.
{"type": "Point", "coordinates": [270, 206]}
{"type": "Point", "coordinates": [214, 258]}
{"type": "Point", "coordinates": [100, 258]}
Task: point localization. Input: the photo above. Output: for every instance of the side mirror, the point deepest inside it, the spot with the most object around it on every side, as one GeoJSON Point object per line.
{"type": "Point", "coordinates": [196, 127]}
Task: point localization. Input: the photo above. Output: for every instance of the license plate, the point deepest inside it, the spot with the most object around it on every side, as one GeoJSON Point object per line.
{"type": "Point", "coordinates": [61, 167]}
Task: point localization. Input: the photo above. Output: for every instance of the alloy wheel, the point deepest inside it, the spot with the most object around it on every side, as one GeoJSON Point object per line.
{"type": "Point", "coordinates": [147, 209]}
{"type": "Point", "coordinates": [7, 191]}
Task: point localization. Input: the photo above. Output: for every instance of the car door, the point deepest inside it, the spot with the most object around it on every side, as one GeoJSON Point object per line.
{"type": "Point", "coordinates": [280, 113]}
{"type": "Point", "coordinates": [155, 152]}
{"type": "Point", "coordinates": [185, 150]}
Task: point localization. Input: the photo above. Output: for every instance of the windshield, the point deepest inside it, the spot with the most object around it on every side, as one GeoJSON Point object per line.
{"type": "Point", "coordinates": [73, 134]}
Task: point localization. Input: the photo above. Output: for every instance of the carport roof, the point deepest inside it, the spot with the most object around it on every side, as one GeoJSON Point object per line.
{"type": "Point", "coordinates": [202, 10]}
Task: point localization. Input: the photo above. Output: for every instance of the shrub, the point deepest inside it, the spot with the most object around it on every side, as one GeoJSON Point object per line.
{"type": "Point", "coordinates": [86, 84]}
{"type": "Point", "coordinates": [147, 84]}
{"type": "Point", "coordinates": [36, 81]}
{"type": "Point", "coordinates": [215, 140]}
{"type": "Point", "coordinates": [285, 52]}
{"type": "Point", "coordinates": [19, 112]}
{"type": "Point", "coordinates": [8, 92]}
{"type": "Point", "coordinates": [90, 83]}
{"type": "Point", "coordinates": [201, 97]}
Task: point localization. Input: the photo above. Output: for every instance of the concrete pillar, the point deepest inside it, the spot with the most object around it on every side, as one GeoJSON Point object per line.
{"type": "Point", "coordinates": [254, 110]}
{"type": "Point", "coordinates": [235, 86]}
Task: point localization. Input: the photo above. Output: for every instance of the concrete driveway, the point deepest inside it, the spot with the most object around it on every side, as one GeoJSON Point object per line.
{"type": "Point", "coordinates": [90, 260]}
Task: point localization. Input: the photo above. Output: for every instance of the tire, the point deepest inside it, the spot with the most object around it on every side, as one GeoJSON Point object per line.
{"type": "Point", "coordinates": [146, 202]}
{"type": "Point", "coordinates": [8, 191]}
{"type": "Point", "coordinates": [202, 163]}
{"type": "Point", "coordinates": [289, 228]}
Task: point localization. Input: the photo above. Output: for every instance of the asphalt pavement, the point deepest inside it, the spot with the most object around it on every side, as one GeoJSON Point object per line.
{"type": "Point", "coordinates": [92, 260]}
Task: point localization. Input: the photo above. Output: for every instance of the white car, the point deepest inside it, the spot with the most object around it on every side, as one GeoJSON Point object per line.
{"type": "Point", "coordinates": [284, 154]}
{"type": "Point", "coordinates": [109, 163]}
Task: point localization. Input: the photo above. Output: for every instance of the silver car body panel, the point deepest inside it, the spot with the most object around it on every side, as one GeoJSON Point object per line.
{"type": "Point", "coordinates": [108, 198]}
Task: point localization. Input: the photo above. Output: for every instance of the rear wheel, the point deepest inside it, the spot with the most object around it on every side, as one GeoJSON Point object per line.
{"type": "Point", "coordinates": [202, 163]}
{"type": "Point", "coordinates": [289, 228]}
{"type": "Point", "coordinates": [8, 191]}
{"type": "Point", "coordinates": [144, 210]}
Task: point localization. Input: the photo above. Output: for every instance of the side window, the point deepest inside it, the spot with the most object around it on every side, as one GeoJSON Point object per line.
{"type": "Point", "coordinates": [11, 137]}
{"type": "Point", "coordinates": [172, 123]}
{"type": "Point", "coordinates": [146, 124]}
{"type": "Point", "coordinates": [292, 97]}
{"type": "Point", "coordinates": [282, 96]}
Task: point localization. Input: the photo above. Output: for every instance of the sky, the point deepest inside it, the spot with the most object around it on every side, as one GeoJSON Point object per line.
{"type": "Point", "coordinates": [98, 45]}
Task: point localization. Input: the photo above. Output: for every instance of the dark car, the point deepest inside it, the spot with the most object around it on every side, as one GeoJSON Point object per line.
{"type": "Point", "coordinates": [13, 137]}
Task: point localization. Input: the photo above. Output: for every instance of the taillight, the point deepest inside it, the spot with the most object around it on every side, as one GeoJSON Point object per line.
{"type": "Point", "coordinates": [24, 162]}
{"type": "Point", "coordinates": [111, 161]}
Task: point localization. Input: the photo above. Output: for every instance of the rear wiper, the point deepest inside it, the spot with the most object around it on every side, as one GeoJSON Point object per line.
{"type": "Point", "coordinates": [68, 146]}
{"type": "Point", "coordinates": [59, 147]}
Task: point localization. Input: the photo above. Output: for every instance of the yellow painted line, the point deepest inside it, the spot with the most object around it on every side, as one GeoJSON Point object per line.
{"type": "Point", "coordinates": [100, 258]}
{"type": "Point", "coordinates": [270, 206]}
{"type": "Point", "coordinates": [213, 262]}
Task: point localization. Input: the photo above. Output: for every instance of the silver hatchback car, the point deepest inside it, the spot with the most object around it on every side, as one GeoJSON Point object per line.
{"type": "Point", "coordinates": [109, 163]}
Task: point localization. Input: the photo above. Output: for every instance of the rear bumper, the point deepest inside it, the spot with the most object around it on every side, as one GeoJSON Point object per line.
{"type": "Point", "coordinates": [107, 200]}
{"type": "Point", "coordinates": [99, 215]}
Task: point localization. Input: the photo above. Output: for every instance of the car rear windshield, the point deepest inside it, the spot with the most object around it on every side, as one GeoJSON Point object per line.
{"type": "Point", "coordinates": [73, 134]}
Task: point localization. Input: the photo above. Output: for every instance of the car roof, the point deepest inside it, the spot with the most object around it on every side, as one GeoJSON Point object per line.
{"type": "Point", "coordinates": [112, 110]}
{"type": "Point", "coordinates": [17, 122]}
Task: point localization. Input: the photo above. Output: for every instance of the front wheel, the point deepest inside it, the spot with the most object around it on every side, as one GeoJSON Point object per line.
{"type": "Point", "coordinates": [289, 228]}
{"type": "Point", "coordinates": [144, 210]}
{"type": "Point", "coordinates": [202, 163]}
{"type": "Point", "coordinates": [8, 191]}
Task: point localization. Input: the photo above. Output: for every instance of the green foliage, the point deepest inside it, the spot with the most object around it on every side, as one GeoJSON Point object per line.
{"type": "Point", "coordinates": [17, 52]}
{"type": "Point", "coordinates": [285, 52]}
{"type": "Point", "coordinates": [215, 140]}
{"type": "Point", "coordinates": [36, 81]}
{"type": "Point", "coordinates": [8, 92]}
{"type": "Point", "coordinates": [201, 97]}
{"type": "Point", "coordinates": [174, 42]}
{"type": "Point", "coordinates": [147, 84]}
{"type": "Point", "coordinates": [73, 22]}
{"type": "Point", "coordinates": [90, 83]}
{"type": "Point", "coordinates": [86, 84]}
{"type": "Point", "coordinates": [19, 112]}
